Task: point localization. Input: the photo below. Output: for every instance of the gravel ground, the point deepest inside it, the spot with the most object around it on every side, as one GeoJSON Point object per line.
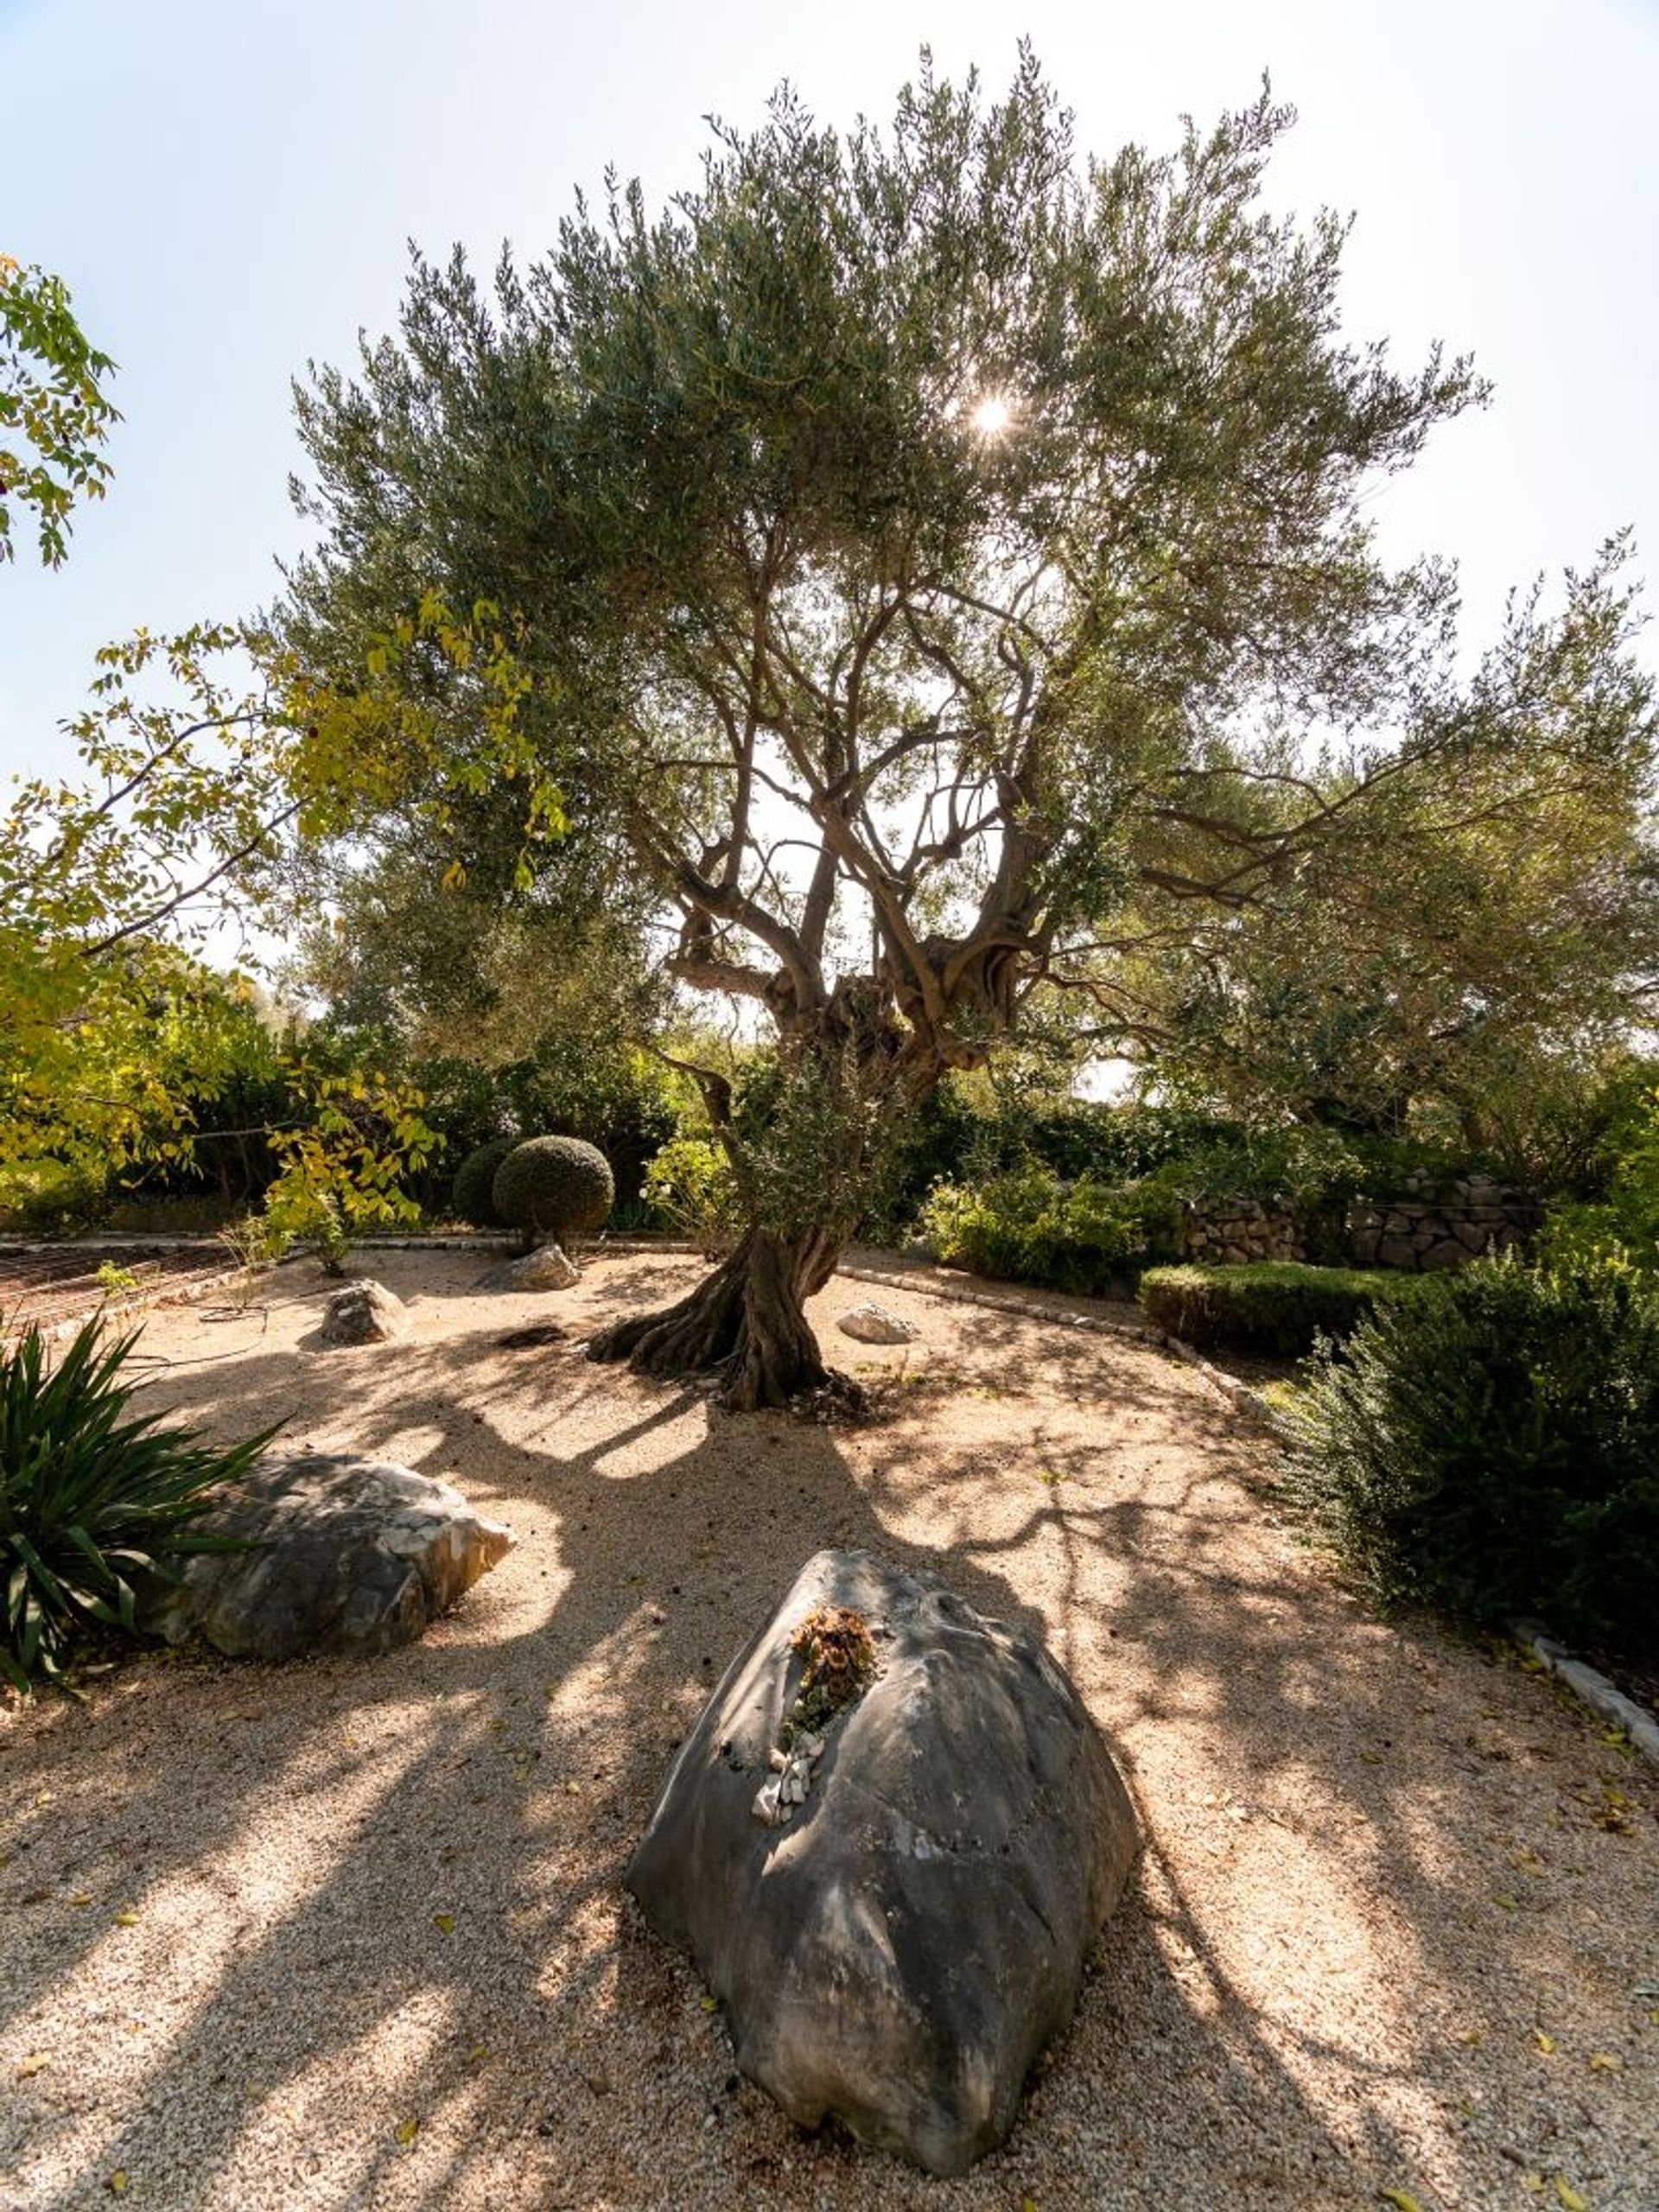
{"type": "Point", "coordinates": [343, 1936]}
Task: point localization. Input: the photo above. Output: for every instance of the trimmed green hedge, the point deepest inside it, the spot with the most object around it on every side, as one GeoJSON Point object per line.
{"type": "Point", "coordinates": [1273, 1308]}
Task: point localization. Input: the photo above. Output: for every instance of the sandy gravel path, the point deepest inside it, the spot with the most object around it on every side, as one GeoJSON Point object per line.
{"type": "Point", "coordinates": [333, 1936]}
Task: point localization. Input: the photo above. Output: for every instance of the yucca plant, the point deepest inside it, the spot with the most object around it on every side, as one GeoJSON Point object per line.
{"type": "Point", "coordinates": [90, 1498]}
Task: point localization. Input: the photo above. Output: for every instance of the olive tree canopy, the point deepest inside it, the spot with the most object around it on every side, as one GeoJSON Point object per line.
{"type": "Point", "coordinates": [919, 546]}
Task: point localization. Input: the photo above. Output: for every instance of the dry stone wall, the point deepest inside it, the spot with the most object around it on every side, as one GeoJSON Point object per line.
{"type": "Point", "coordinates": [1229, 1231]}
{"type": "Point", "coordinates": [1423, 1230]}
{"type": "Point", "coordinates": [1419, 1231]}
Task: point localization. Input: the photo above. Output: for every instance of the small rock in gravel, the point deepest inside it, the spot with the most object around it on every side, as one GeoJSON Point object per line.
{"type": "Point", "coordinates": [547, 1267]}
{"type": "Point", "coordinates": [875, 1325]}
{"type": "Point", "coordinates": [362, 1313]}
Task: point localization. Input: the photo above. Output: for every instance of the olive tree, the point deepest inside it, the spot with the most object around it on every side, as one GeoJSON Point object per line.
{"type": "Point", "coordinates": [1429, 932]}
{"type": "Point", "coordinates": [914, 539]}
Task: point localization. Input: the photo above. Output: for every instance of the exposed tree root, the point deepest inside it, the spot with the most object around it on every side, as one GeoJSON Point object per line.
{"type": "Point", "coordinates": [745, 1324]}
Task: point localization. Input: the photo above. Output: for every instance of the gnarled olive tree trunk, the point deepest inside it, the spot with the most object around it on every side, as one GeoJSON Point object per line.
{"type": "Point", "coordinates": [745, 1322]}
{"type": "Point", "coordinates": [851, 1077]}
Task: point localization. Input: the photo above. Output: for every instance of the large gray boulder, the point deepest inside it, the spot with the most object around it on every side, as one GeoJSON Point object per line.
{"type": "Point", "coordinates": [896, 1948]}
{"type": "Point", "coordinates": [342, 1555]}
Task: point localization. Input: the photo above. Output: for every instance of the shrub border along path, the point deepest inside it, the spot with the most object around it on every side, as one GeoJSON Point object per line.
{"type": "Point", "coordinates": [1586, 1683]}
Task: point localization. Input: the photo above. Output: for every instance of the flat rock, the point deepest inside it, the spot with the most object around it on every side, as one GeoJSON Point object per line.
{"type": "Point", "coordinates": [348, 1556]}
{"type": "Point", "coordinates": [364, 1313]}
{"type": "Point", "coordinates": [547, 1267]}
{"type": "Point", "coordinates": [874, 1324]}
{"type": "Point", "coordinates": [900, 1950]}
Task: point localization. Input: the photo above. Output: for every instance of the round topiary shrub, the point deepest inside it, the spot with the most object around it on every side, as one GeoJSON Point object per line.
{"type": "Point", "coordinates": [554, 1187]}
{"type": "Point", "coordinates": [472, 1195]}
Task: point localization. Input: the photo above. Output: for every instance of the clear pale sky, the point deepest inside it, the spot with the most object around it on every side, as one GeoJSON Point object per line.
{"type": "Point", "coordinates": [227, 190]}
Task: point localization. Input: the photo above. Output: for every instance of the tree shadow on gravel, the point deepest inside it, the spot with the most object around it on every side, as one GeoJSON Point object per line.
{"type": "Point", "coordinates": [367, 1896]}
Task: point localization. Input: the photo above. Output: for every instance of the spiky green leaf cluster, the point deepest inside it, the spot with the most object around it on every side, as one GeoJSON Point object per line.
{"type": "Point", "coordinates": [91, 1498]}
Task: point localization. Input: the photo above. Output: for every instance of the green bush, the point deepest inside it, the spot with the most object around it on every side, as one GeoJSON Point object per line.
{"type": "Point", "coordinates": [1492, 1444]}
{"type": "Point", "coordinates": [472, 1195]}
{"type": "Point", "coordinates": [1111, 1141]}
{"type": "Point", "coordinates": [49, 1197]}
{"type": "Point", "coordinates": [1621, 1221]}
{"type": "Point", "coordinates": [690, 1183]}
{"type": "Point", "coordinates": [969, 1131]}
{"type": "Point", "coordinates": [1031, 1227]}
{"type": "Point", "coordinates": [88, 1498]}
{"type": "Point", "coordinates": [1273, 1307]}
{"type": "Point", "coordinates": [624, 1103]}
{"type": "Point", "coordinates": [554, 1187]}
{"type": "Point", "coordinates": [202, 1215]}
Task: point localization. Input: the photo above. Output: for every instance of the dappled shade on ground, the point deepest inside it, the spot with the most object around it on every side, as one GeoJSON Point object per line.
{"type": "Point", "coordinates": [356, 1936]}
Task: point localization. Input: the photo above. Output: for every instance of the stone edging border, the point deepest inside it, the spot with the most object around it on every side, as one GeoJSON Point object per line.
{"type": "Point", "coordinates": [1589, 1686]}
{"type": "Point", "coordinates": [187, 1293]}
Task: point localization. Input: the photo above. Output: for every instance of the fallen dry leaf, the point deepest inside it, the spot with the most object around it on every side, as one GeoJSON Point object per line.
{"type": "Point", "coordinates": [36, 2062]}
{"type": "Point", "coordinates": [1402, 2199]}
{"type": "Point", "coordinates": [407, 2130]}
{"type": "Point", "coordinates": [1603, 2062]}
{"type": "Point", "coordinates": [444, 1923]}
{"type": "Point", "coordinates": [1566, 2197]}
{"type": "Point", "coordinates": [1546, 2044]}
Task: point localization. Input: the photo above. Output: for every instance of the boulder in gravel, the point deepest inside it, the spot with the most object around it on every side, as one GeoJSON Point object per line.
{"type": "Point", "coordinates": [341, 1555]}
{"type": "Point", "coordinates": [547, 1267]}
{"type": "Point", "coordinates": [895, 1908]}
{"type": "Point", "coordinates": [875, 1325]}
{"type": "Point", "coordinates": [364, 1313]}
